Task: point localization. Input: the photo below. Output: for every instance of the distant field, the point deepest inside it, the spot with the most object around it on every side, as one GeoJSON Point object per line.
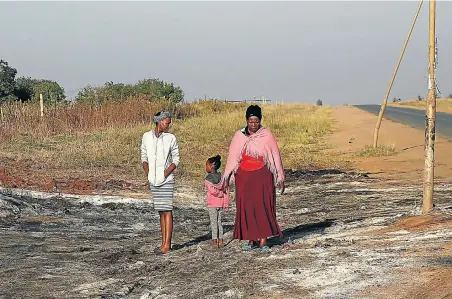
{"type": "Point", "coordinates": [442, 105]}
{"type": "Point", "coordinates": [84, 141]}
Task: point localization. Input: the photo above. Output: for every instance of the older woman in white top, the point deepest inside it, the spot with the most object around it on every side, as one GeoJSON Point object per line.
{"type": "Point", "coordinates": [160, 157]}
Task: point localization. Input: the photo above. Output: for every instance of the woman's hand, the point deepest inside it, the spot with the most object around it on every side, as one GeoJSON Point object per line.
{"type": "Point", "coordinates": [282, 187]}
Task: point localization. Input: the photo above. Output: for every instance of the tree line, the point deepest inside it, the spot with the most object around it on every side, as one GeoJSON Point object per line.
{"type": "Point", "coordinates": [28, 89]}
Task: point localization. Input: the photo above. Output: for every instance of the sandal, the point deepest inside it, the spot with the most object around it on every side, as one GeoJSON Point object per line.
{"type": "Point", "coordinates": [248, 247]}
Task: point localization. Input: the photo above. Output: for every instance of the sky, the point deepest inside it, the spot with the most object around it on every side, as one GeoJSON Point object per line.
{"type": "Point", "coordinates": [339, 52]}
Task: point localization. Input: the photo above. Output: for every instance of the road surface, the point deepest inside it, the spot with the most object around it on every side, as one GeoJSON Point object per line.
{"type": "Point", "coordinates": [414, 118]}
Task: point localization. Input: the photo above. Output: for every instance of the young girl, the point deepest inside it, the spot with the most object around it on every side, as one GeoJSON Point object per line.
{"type": "Point", "coordinates": [217, 200]}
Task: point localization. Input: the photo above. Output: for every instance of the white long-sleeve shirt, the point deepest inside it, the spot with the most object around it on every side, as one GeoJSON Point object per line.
{"type": "Point", "coordinates": [159, 152]}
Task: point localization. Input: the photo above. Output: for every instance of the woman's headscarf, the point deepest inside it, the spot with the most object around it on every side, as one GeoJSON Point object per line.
{"type": "Point", "coordinates": [254, 110]}
{"type": "Point", "coordinates": [161, 116]}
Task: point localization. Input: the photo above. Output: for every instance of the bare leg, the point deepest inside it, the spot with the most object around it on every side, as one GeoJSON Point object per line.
{"type": "Point", "coordinates": [162, 228]}
{"type": "Point", "coordinates": [263, 242]}
{"type": "Point", "coordinates": [168, 218]}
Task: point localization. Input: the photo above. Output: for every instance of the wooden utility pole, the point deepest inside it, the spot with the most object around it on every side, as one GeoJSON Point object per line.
{"type": "Point", "coordinates": [385, 101]}
{"type": "Point", "coordinates": [429, 145]}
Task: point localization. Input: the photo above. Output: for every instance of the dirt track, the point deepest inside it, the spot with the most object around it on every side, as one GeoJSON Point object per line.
{"type": "Point", "coordinates": [332, 246]}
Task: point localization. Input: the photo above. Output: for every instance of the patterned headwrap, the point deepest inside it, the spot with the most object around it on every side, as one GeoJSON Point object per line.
{"type": "Point", "coordinates": [161, 116]}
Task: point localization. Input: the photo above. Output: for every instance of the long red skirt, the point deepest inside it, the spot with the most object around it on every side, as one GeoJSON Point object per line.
{"type": "Point", "coordinates": [255, 205]}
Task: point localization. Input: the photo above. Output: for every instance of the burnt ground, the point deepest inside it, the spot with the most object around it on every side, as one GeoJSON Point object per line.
{"type": "Point", "coordinates": [346, 235]}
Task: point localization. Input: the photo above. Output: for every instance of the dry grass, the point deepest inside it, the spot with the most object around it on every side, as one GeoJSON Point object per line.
{"type": "Point", "coordinates": [298, 129]}
{"type": "Point", "coordinates": [107, 139]}
{"type": "Point", "coordinates": [380, 151]}
{"type": "Point", "coordinates": [19, 120]}
{"type": "Point", "coordinates": [442, 105]}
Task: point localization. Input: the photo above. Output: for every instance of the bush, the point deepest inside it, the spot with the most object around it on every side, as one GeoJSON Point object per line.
{"type": "Point", "coordinates": [380, 151]}
{"type": "Point", "coordinates": [150, 89]}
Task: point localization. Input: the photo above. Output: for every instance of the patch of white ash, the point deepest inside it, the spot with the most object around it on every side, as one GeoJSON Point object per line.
{"type": "Point", "coordinates": [339, 267]}
{"type": "Point", "coordinates": [399, 232]}
{"type": "Point", "coordinates": [97, 285]}
{"type": "Point", "coordinates": [422, 236]}
{"type": "Point", "coordinates": [375, 190]}
{"type": "Point", "coordinates": [231, 293]}
{"type": "Point", "coordinates": [335, 274]}
{"type": "Point", "coordinates": [92, 199]}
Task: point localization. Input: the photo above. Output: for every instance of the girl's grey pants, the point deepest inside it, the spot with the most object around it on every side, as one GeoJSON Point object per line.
{"type": "Point", "coordinates": [215, 223]}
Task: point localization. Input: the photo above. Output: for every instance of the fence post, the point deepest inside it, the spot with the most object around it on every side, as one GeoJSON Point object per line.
{"type": "Point", "coordinates": [41, 104]}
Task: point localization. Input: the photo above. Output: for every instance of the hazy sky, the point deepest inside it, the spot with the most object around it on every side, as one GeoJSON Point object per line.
{"type": "Point", "coordinates": [339, 52]}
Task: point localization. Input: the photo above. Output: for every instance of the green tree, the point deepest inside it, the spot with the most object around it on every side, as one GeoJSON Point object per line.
{"type": "Point", "coordinates": [51, 91]}
{"type": "Point", "coordinates": [160, 90]}
{"type": "Point", "coordinates": [29, 89]}
{"type": "Point", "coordinates": [24, 88]}
{"type": "Point", "coordinates": [7, 83]}
{"type": "Point", "coordinates": [153, 89]}
{"type": "Point", "coordinates": [109, 92]}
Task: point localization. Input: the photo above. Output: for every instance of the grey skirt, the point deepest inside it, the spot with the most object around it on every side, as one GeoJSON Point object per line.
{"type": "Point", "coordinates": [162, 196]}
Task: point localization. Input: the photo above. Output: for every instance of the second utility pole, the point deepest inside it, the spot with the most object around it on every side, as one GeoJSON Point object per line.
{"type": "Point", "coordinates": [385, 101]}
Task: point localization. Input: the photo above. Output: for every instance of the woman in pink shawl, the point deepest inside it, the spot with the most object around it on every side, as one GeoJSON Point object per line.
{"type": "Point", "coordinates": [254, 165]}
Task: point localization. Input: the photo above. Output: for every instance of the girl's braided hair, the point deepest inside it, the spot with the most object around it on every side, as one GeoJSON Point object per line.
{"type": "Point", "coordinates": [215, 161]}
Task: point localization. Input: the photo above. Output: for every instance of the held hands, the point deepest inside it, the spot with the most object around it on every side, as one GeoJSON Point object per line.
{"type": "Point", "coordinates": [225, 185]}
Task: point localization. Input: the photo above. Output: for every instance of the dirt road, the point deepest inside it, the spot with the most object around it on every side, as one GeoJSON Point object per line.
{"type": "Point", "coordinates": [355, 129]}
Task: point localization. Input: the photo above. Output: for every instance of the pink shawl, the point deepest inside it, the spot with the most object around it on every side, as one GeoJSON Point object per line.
{"type": "Point", "coordinates": [262, 143]}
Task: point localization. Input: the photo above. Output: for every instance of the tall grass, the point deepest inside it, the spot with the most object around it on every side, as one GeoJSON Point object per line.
{"type": "Point", "coordinates": [105, 141]}
{"type": "Point", "coordinates": [24, 119]}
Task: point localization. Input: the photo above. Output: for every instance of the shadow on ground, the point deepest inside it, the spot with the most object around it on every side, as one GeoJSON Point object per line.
{"type": "Point", "coordinates": [300, 231]}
